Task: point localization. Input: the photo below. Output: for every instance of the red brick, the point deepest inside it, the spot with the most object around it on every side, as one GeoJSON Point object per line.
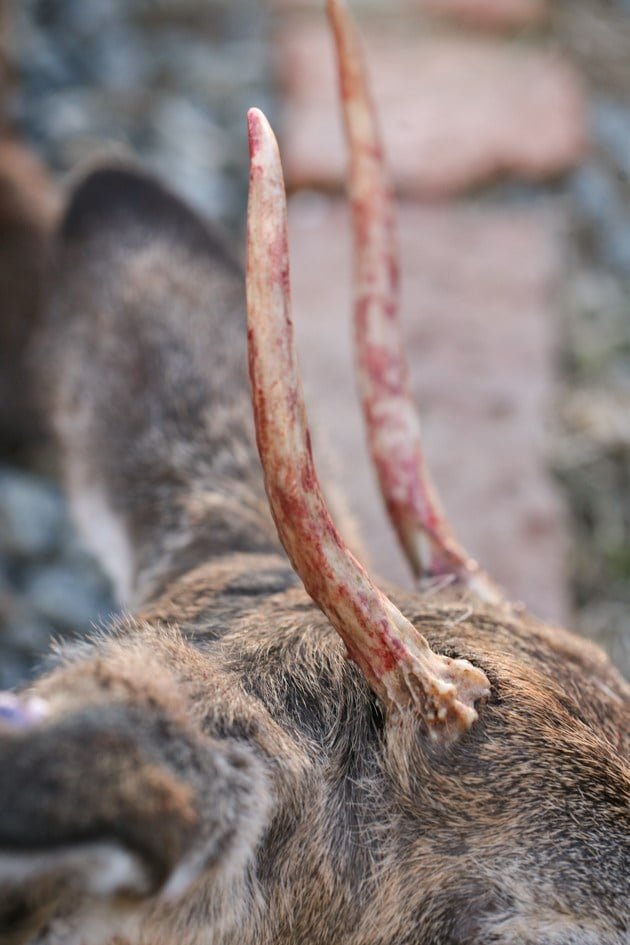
{"type": "Point", "coordinates": [484, 14]}
{"type": "Point", "coordinates": [394, 7]}
{"type": "Point", "coordinates": [478, 289]}
{"type": "Point", "coordinates": [457, 112]}
{"type": "Point", "coordinates": [495, 14]}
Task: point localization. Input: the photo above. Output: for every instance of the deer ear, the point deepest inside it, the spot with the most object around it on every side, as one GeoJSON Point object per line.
{"type": "Point", "coordinates": [77, 799]}
{"type": "Point", "coordinates": [121, 800]}
{"type": "Point", "coordinates": [86, 893]}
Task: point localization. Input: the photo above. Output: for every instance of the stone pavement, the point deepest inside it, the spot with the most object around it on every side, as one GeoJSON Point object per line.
{"type": "Point", "coordinates": [457, 111]}
{"type": "Point", "coordinates": [464, 104]}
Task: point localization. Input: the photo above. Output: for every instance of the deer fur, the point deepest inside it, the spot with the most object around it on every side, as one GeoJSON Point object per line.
{"type": "Point", "coordinates": [213, 769]}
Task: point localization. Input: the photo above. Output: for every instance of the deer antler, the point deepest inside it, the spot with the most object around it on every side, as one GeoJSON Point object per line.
{"type": "Point", "coordinates": [392, 423]}
{"type": "Point", "coordinates": [395, 659]}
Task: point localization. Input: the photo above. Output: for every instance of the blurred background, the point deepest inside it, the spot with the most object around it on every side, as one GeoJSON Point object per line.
{"type": "Point", "coordinates": [507, 128]}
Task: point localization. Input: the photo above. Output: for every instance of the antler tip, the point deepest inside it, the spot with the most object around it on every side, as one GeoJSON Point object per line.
{"type": "Point", "coordinates": [257, 126]}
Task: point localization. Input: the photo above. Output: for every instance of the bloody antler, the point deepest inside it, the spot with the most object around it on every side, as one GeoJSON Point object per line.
{"type": "Point", "coordinates": [395, 659]}
{"type": "Point", "coordinates": [391, 419]}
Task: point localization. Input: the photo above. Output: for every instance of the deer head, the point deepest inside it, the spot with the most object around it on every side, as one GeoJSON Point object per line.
{"type": "Point", "coordinates": [232, 763]}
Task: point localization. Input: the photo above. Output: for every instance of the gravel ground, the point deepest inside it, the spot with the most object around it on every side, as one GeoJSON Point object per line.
{"type": "Point", "coordinates": [170, 81]}
{"type": "Point", "coordinates": [167, 81]}
{"type": "Point", "coordinates": [593, 448]}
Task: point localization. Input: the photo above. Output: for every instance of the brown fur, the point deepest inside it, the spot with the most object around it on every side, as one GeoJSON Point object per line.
{"type": "Point", "coordinates": [216, 752]}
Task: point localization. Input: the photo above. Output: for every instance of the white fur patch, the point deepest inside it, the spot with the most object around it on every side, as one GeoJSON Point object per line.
{"type": "Point", "coordinates": [104, 869]}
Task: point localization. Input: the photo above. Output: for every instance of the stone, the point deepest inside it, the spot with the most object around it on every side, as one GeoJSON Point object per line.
{"type": "Point", "coordinates": [494, 14]}
{"type": "Point", "coordinates": [607, 623]}
{"type": "Point", "coordinates": [394, 7]}
{"type": "Point", "coordinates": [73, 602]}
{"type": "Point", "coordinates": [483, 14]}
{"type": "Point", "coordinates": [13, 670]}
{"type": "Point", "coordinates": [615, 244]}
{"type": "Point", "coordinates": [478, 317]}
{"type": "Point", "coordinates": [603, 211]}
{"type": "Point", "coordinates": [457, 112]}
{"type": "Point", "coordinates": [611, 130]}
{"type": "Point", "coordinates": [595, 193]}
{"type": "Point", "coordinates": [32, 515]}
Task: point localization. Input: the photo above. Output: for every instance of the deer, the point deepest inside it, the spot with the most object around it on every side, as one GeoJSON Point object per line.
{"type": "Point", "coordinates": [267, 748]}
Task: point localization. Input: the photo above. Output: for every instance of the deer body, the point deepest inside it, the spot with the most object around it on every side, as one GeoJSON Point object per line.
{"type": "Point", "coordinates": [216, 769]}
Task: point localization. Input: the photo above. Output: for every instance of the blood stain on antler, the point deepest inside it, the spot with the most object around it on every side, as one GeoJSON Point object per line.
{"type": "Point", "coordinates": [391, 419]}
{"type": "Point", "coordinates": [394, 657]}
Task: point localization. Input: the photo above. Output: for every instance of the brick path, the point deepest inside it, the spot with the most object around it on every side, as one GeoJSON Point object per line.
{"type": "Point", "coordinates": [464, 105]}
